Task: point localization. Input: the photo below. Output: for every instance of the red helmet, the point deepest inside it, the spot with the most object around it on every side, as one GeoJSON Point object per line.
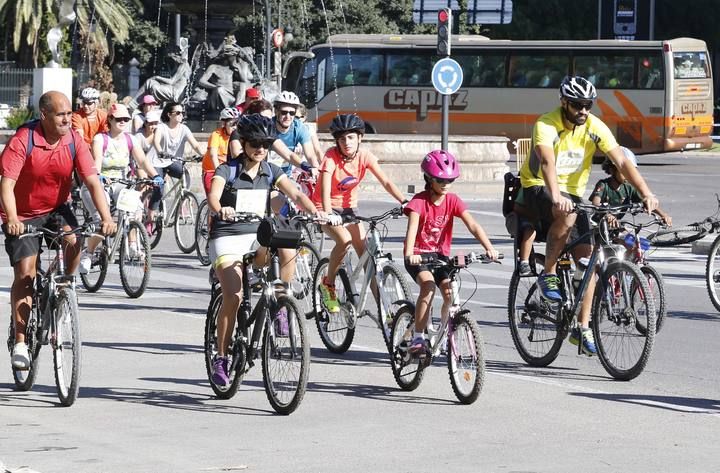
{"type": "Point", "coordinates": [441, 165]}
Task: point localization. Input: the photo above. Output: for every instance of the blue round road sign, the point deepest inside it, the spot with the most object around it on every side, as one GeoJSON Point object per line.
{"type": "Point", "coordinates": [447, 76]}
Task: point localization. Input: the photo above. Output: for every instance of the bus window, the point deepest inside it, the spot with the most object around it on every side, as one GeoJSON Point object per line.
{"type": "Point", "coordinates": [650, 71]}
{"type": "Point", "coordinates": [409, 69]}
{"type": "Point", "coordinates": [691, 65]}
{"type": "Point", "coordinates": [482, 70]}
{"type": "Point", "coordinates": [537, 70]}
{"type": "Point", "coordinates": [307, 84]}
{"type": "Point", "coordinates": [607, 71]}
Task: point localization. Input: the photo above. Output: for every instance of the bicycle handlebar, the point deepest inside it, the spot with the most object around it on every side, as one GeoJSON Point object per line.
{"type": "Point", "coordinates": [459, 261]}
{"type": "Point", "coordinates": [634, 208]}
{"type": "Point", "coordinates": [392, 213]}
{"type": "Point", "coordinates": [87, 229]}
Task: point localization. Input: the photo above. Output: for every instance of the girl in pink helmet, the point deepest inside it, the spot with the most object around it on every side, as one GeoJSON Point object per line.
{"type": "Point", "coordinates": [430, 225]}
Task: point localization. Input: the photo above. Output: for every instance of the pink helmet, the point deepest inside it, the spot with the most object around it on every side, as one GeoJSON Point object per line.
{"type": "Point", "coordinates": [440, 164]}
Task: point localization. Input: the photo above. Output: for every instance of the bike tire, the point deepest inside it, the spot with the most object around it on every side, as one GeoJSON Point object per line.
{"type": "Point", "coordinates": [67, 347]}
{"type": "Point", "coordinates": [156, 226]}
{"type": "Point", "coordinates": [185, 217]}
{"type": "Point", "coordinates": [396, 289]}
{"type": "Point", "coordinates": [537, 330]}
{"type": "Point", "coordinates": [677, 236]}
{"type": "Point", "coordinates": [657, 289]}
{"type": "Point", "coordinates": [201, 233]}
{"type": "Point", "coordinates": [94, 279]}
{"type": "Point", "coordinates": [466, 358]}
{"type": "Point", "coordinates": [313, 234]}
{"type": "Point", "coordinates": [286, 360]}
{"type": "Point", "coordinates": [135, 271]}
{"type": "Point", "coordinates": [336, 330]}
{"type": "Point", "coordinates": [407, 370]}
{"type": "Point", "coordinates": [712, 273]}
{"type": "Point", "coordinates": [306, 263]}
{"type": "Point", "coordinates": [624, 333]}
{"type": "Point", "coordinates": [211, 350]}
{"type": "Point", "coordinates": [25, 379]}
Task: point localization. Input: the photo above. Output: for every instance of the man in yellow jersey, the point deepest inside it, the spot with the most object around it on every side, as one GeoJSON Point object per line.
{"type": "Point", "coordinates": [554, 177]}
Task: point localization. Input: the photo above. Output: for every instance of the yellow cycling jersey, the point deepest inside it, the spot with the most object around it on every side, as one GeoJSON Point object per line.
{"type": "Point", "coordinates": [574, 149]}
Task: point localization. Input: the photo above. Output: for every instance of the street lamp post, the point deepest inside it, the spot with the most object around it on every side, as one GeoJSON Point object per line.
{"type": "Point", "coordinates": [268, 40]}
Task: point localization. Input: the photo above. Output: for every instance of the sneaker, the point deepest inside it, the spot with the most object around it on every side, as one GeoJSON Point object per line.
{"type": "Point", "coordinates": [135, 253]}
{"type": "Point", "coordinates": [85, 263]}
{"type": "Point", "coordinates": [588, 342]}
{"type": "Point", "coordinates": [281, 323]}
{"type": "Point", "coordinates": [524, 268]}
{"type": "Point", "coordinates": [219, 371]}
{"type": "Point", "coordinates": [329, 299]}
{"type": "Point", "coordinates": [21, 356]}
{"type": "Point", "coordinates": [550, 287]}
{"type": "Point", "coordinates": [418, 347]}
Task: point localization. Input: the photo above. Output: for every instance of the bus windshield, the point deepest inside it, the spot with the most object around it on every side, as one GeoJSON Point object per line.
{"type": "Point", "coordinates": [691, 65]}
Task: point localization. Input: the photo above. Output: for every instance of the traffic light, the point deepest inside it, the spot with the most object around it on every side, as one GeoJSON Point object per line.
{"type": "Point", "coordinates": [444, 31]}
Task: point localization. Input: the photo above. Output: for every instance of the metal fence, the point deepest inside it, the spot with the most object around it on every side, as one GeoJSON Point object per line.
{"type": "Point", "coordinates": [15, 86]}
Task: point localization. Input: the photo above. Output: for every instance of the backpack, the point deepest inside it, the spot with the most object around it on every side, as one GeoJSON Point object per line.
{"type": "Point", "coordinates": [31, 125]}
{"type": "Point", "coordinates": [512, 187]}
{"type": "Point", "coordinates": [106, 140]}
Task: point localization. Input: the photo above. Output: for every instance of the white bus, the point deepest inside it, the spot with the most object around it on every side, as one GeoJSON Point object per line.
{"type": "Point", "coordinates": [654, 95]}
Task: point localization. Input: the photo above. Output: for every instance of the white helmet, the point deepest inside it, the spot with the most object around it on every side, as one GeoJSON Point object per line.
{"type": "Point", "coordinates": [577, 88]}
{"type": "Point", "coordinates": [288, 98]}
{"type": "Point", "coordinates": [229, 113]}
{"type": "Point", "coordinates": [88, 94]}
{"type": "Point", "coordinates": [629, 155]}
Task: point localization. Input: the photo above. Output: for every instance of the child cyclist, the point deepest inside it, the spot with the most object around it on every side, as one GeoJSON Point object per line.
{"type": "Point", "coordinates": [429, 231]}
{"type": "Point", "coordinates": [341, 172]}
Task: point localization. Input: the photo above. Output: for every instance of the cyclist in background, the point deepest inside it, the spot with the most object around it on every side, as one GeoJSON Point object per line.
{"type": "Point", "coordinates": [138, 118]}
{"type": "Point", "coordinates": [554, 178]}
{"type": "Point", "coordinates": [217, 148]}
{"type": "Point", "coordinates": [429, 231]}
{"type": "Point", "coordinates": [89, 120]}
{"type": "Point", "coordinates": [343, 169]}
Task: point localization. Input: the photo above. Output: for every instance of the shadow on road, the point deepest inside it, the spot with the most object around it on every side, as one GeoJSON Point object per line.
{"type": "Point", "coordinates": [673, 403]}
{"type": "Point", "coordinates": [150, 348]}
{"type": "Point", "coordinates": [703, 316]}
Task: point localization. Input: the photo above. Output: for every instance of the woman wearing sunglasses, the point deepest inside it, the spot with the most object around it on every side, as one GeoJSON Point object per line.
{"type": "Point", "coordinates": [429, 231]}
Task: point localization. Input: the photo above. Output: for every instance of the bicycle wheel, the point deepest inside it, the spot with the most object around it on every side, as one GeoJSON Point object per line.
{"type": "Point", "coordinates": [408, 370]}
{"type": "Point", "coordinates": [25, 379]}
{"type": "Point", "coordinates": [95, 277]}
{"type": "Point", "coordinates": [67, 346]}
{"type": "Point", "coordinates": [201, 233]}
{"type": "Point", "coordinates": [135, 260]}
{"type": "Point", "coordinates": [536, 325]}
{"type": "Point", "coordinates": [712, 273]}
{"type": "Point", "coordinates": [306, 262]}
{"type": "Point", "coordinates": [286, 359]}
{"type": "Point", "coordinates": [657, 289]}
{"type": "Point", "coordinates": [466, 358]}
{"type": "Point", "coordinates": [336, 330]}
{"type": "Point", "coordinates": [154, 227]}
{"type": "Point", "coordinates": [186, 215]}
{"type": "Point", "coordinates": [313, 234]}
{"type": "Point", "coordinates": [236, 356]}
{"type": "Point", "coordinates": [677, 236]}
{"type": "Point", "coordinates": [623, 320]}
{"type": "Point", "coordinates": [395, 288]}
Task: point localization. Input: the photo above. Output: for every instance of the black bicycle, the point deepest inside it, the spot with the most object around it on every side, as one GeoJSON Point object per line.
{"type": "Point", "coordinates": [54, 319]}
{"type": "Point", "coordinates": [285, 353]}
{"type": "Point", "coordinates": [673, 236]}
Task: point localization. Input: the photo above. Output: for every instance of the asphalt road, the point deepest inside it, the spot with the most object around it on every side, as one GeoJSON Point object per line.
{"type": "Point", "coordinates": [146, 406]}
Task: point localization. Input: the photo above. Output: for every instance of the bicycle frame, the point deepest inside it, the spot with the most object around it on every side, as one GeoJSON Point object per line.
{"type": "Point", "coordinates": [175, 193]}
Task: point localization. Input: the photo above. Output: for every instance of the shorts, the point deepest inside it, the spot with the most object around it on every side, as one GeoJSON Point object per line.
{"type": "Point", "coordinates": [207, 179]}
{"type": "Point", "coordinates": [18, 248]}
{"type": "Point", "coordinates": [440, 274]}
{"type": "Point", "coordinates": [231, 248]}
{"type": "Point", "coordinates": [539, 204]}
{"type": "Point", "coordinates": [111, 192]}
{"type": "Point", "coordinates": [349, 214]}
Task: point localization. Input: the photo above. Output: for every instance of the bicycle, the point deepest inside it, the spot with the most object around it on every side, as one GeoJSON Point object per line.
{"type": "Point", "coordinates": [674, 236]}
{"type": "Point", "coordinates": [624, 317]}
{"type": "Point", "coordinates": [282, 356]}
{"type": "Point", "coordinates": [182, 212]}
{"type": "Point", "coordinates": [134, 257]}
{"type": "Point", "coordinates": [54, 319]}
{"type": "Point", "coordinates": [202, 231]}
{"type": "Point", "coordinates": [338, 330]}
{"type": "Point", "coordinates": [458, 337]}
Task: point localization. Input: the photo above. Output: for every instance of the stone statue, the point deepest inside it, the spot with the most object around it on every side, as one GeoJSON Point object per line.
{"type": "Point", "coordinates": [65, 17]}
{"type": "Point", "coordinates": [173, 89]}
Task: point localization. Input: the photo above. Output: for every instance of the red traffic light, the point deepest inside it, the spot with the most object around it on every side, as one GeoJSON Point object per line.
{"type": "Point", "coordinates": [443, 15]}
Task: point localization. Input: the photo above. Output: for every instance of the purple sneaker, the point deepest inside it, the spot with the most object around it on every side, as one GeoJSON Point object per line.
{"type": "Point", "coordinates": [281, 323]}
{"type": "Point", "coordinates": [220, 374]}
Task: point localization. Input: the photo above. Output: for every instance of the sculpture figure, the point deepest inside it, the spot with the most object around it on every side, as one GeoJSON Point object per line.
{"type": "Point", "coordinates": [66, 16]}
{"type": "Point", "coordinates": [173, 89]}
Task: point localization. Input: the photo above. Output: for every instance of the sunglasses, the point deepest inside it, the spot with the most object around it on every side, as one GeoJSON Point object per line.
{"type": "Point", "coordinates": [257, 144]}
{"type": "Point", "coordinates": [89, 103]}
{"type": "Point", "coordinates": [121, 120]}
{"type": "Point", "coordinates": [288, 112]}
{"type": "Point", "coordinates": [443, 181]}
{"type": "Point", "coordinates": [580, 105]}
{"type": "Point", "coordinates": [177, 112]}
{"type": "Point", "coordinates": [152, 123]}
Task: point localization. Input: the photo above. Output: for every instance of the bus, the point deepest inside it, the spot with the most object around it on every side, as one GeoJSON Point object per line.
{"type": "Point", "coordinates": [655, 96]}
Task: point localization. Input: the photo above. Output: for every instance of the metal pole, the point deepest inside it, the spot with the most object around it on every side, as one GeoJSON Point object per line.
{"type": "Point", "coordinates": [599, 31]}
{"type": "Point", "coordinates": [445, 121]}
{"type": "Point", "coordinates": [268, 40]}
{"type": "Point", "coordinates": [177, 29]}
{"type": "Point", "coordinates": [652, 20]}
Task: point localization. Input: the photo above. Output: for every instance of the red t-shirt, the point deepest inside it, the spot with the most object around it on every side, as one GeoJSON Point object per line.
{"type": "Point", "coordinates": [44, 178]}
{"type": "Point", "coordinates": [89, 127]}
{"type": "Point", "coordinates": [345, 178]}
{"type": "Point", "coordinates": [434, 234]}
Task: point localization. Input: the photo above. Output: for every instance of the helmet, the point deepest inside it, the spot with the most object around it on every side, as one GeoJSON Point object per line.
{"type": "Point", "coordinates": [88, 94]}
{"type": "Point", "coordinates": [440, 164]}
{"type": "Point", "coordinates": [629, 155]}
{"type": "Point", "coordinates": [577, 88]}
{"type": "Point", "coordinates": [344, 123]}
{"type": "Point", "coordinates": [288, 98]}
{"type": "Point", "coordinates": [256, 127]}
{"type": "Point", "coordinates": [229, 113]}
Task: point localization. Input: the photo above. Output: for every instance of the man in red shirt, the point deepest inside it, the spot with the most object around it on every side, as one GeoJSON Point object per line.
{"type": "Point", "coordinates": [34, 189]}
{"type": "Point", "coordinates": [251, 95]}
{"type": "Point", "coordinates": [90, 120]}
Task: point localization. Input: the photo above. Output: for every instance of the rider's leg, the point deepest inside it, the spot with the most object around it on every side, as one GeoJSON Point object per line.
{"type": "Point", "coordinates": [446, 291]}
{"type": "Point", "coordinates": [557, 237]}
{"type": "Point", "coordinates": [342, 238]}
{"type": "Point", "coordinates": [426, 282]}
{"type": "Point", "coordinates": [229, 274]}
{"type": "Point", "coordinates": [21, 294]}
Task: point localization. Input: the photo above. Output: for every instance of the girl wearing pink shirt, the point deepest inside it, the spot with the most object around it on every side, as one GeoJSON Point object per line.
{"type": "Point", "coordinates": [430, 223]}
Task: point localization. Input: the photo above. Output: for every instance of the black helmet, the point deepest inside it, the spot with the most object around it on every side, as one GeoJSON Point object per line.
{"type": "Point", "coordinates": [345, 123]}
{"type": "Point", "coordinates": [256, 127]}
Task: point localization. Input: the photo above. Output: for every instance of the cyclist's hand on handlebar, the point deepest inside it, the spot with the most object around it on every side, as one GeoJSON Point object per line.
{"type": "Point", "coordinates": [666, 220]}
{"type": "Point", "coordinates": [334, 219]}
{"type": "Point", "coordinates": [613, 221]}
{"type": "Point", "coordinates": [108, 227]}
{"type": "Point", "coordinates": [226, 213]}
{"type": "Point", "coordinates": [651, 203]}
{"type": "Point", "coordinates": [492, 253]}
{"type": "Point", "coordinates": [14, 227]}
{"type": "Point", "coordinates": [158, 180]}
{"type": "Point", "coordinates": [414, 260]}
{"type": "Point", "coordinates": [563, 204]}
